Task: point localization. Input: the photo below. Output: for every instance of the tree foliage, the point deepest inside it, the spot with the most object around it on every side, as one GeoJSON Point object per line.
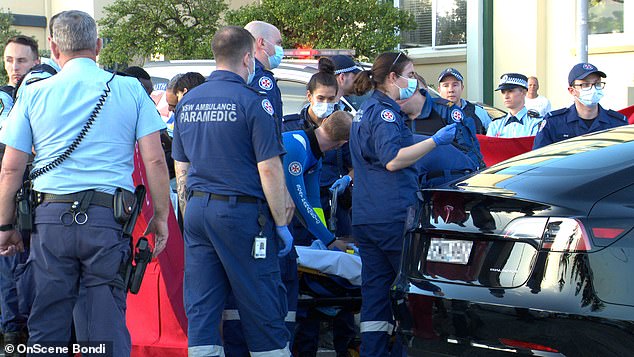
{"type": "Point", "coordinates": [367, 26]}
{"type": "Point", "coordinates": [6, 32]}
{"type": "Point", "coordinates": [178, 29]}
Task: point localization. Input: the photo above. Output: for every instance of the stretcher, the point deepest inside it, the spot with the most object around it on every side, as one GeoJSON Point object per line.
{"type": "Point", "coordinates": [329, 279]}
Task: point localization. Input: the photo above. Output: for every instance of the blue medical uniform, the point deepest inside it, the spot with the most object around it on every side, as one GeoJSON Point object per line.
{"type": "Point", "coordinates": [334, 165]}
{"type": "Point", "coordinates": [48, 116]}
{"type": "Point", "coordinates": [565, 123]}
{"type": "Point", "coordinates": [514, 126]}
{"type": "Point", "coordinates": [265, 82]}
{"type": "Point", "coordinates": [223, 128]}
{"type": "Point", "coordinates": [302, 168]}
{"type": "Point", "coordinates": [381, 201]}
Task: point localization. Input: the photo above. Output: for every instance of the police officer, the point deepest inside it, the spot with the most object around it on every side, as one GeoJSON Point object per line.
{"type": "Point", "coordinates": [268, 56]}
{"type": "Point", "coordinates": [337, 170]}
{"type": "Point", "coordinates": [20, 54]}
{"type": "Point", "coordinates": [383, 152]}
{"type": "Point", "coordinates": [586, 115]}
{"type": "Point", "coordinates": [519, 121]}
{"type": "Point", "coordinates": [224, 134]}
{"type": "Point", "coordinates": [450, 87]}
{"type": "Point", "coordinates": [443, 164]}
{"type": "Point", "coordinates": [439, 112]}
{"type": "Point", "coordinates": [48, 116]}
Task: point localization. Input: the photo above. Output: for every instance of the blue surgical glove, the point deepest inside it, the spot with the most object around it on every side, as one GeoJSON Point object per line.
{"type": "Point", "coordinates": [317, 244]}
{"type": "Point", "coordinates": [287, 239]}
{"type": "Point", "coordinates": [445, 135]}
{"type": "Point", "coordinates": [340, 185]}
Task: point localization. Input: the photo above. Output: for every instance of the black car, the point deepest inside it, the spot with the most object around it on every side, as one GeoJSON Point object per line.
{"type": "Point", "coordinates": [532, 256]}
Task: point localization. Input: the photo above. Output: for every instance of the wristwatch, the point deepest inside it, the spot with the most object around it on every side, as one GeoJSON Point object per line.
{"type": "Point", "coordinates": [7, 227]}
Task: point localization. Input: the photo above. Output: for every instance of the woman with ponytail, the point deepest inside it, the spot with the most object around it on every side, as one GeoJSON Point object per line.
{"type": "Point", "coordinates": [383, 151]}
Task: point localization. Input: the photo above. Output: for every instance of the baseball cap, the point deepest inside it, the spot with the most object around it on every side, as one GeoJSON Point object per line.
{"type": "Point", "coordinates": [512, 80]}
{"type": "Point", "coordinates": [450, 72]}
{"type": "Point", "coordinates": [344, 64]}
{"type": "Point", "coordinates": [581, 71]}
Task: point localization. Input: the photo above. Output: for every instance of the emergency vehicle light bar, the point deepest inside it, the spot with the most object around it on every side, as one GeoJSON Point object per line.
{"type": "Point", "coordinates": [312, 53]}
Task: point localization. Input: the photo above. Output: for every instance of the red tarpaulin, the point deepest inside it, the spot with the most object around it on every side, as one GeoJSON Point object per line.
{"type": "Point", "coordinates": [629, 113]}
{"type": "Point", "coordinates": [156, 315]}
{"type": "Point", "coordinates": [496, 149]}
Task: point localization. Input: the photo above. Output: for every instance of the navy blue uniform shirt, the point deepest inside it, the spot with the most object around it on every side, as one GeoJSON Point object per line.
{"type": "Point", "coordinates": [224, 128]}
{"type": "Point", "coordinates": [378, 132]}
{"type": "Point", "coordinates": [264, 82]}
{"type": "Point", "coordinates": [565, 123]}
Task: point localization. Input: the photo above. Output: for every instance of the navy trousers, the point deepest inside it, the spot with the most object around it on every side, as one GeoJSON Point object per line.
{"type": "Point", "coordinates": [67, 256]}
{"type": "Point", "coordinates": [219, 238]}
{"type": "Point", "coordinates": [380, 248]}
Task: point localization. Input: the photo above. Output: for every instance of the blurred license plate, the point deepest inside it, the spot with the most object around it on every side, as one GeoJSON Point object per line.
{"type": "Point", "coordinates": [449, 251]}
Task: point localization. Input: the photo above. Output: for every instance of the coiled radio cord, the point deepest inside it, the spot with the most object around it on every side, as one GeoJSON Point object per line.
{"type": "Point", "coordinates": [91, 120]}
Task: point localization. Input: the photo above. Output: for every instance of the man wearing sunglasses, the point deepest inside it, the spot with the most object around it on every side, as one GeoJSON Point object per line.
{"type": "Point", "coordinates": [586, 115]}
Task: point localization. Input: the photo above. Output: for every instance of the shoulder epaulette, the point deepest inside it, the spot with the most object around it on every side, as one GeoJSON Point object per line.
{"type": "Point", "coordinates": [290, 117]}
{"type": "Point", "coordinates": [557, 112]}
{"type": "Point", "coordinates": [616, 114]}
{"type": "Point", "coordinates": [260, 94]}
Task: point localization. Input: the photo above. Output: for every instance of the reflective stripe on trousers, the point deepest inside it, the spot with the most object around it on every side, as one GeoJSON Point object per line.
{"type": "Point", "coordinates": [376, 326]}
{"type": "Point", "coordinates": [206, 351]}
{"type": "Point", "coordinates": [234, 315]}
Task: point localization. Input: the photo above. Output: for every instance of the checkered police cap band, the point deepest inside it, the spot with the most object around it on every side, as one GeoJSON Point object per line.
{"type": "Point", "coordinates": [348, 69]}
{"type": "Point", "coordinates": [514, 79]}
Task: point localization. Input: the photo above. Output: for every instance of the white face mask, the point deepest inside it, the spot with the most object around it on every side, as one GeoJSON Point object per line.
{"type": "Point", "coordinates": [323, 109]}
{"type": "Point", "coordinates": [590, 97]}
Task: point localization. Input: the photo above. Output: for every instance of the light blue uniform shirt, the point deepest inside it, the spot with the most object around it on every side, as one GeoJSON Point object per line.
{"type": "Point", "coordinates": [508, 128]}
{"type": "Point", "coordinates": [6, 102]}
{"type": "Point", "coordinates": [50, 114]}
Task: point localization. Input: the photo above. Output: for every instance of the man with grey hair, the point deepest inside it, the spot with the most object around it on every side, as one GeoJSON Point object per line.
{"type": "Point", "coordinates": [268, 56]}
{"type": "Point", "coordinates": [83, 123]}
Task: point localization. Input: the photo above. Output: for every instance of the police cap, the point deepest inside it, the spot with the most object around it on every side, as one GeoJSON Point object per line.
{"type": "Point", "coordinates": [581, 71]}
{"type": "Point", "coordinates": [450, 72]}
{"type": "Point", "coordinates": [512, 80]}
{"type": "Point", "coordinates": [344, 64]}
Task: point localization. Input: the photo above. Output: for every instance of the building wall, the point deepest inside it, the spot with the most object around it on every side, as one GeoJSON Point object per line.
{"type": "Point", "coordinates": [539, 37]}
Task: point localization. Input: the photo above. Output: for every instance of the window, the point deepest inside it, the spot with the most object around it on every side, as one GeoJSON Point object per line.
{"type": "Point", "coordinates": [441, 23]}
{"type": "Point", "coordinates": [605, 16]}
{"type": "Point", "coordinates": [610, 24]}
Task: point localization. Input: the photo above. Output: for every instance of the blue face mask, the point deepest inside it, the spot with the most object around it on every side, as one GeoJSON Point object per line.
{"type": "Point", "coordinates": [590, 97]}
{"type": "Point", "coordinates": [405, 93]}
{"type": "Point", "coordinates": [276, 59]}
{"type": "Point", "coordinates": [251, 74]}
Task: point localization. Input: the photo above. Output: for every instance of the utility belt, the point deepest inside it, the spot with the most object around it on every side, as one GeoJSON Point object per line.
{"type": "Point", "coordinates": [213, 196]}
{"type": "Point", "coordinates": [126, 207]}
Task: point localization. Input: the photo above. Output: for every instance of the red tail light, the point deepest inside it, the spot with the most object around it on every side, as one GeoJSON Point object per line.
{"type": "Point", "coordinates": [607, 233]}
{"type": "Point", "coordinates": [527, 345]}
